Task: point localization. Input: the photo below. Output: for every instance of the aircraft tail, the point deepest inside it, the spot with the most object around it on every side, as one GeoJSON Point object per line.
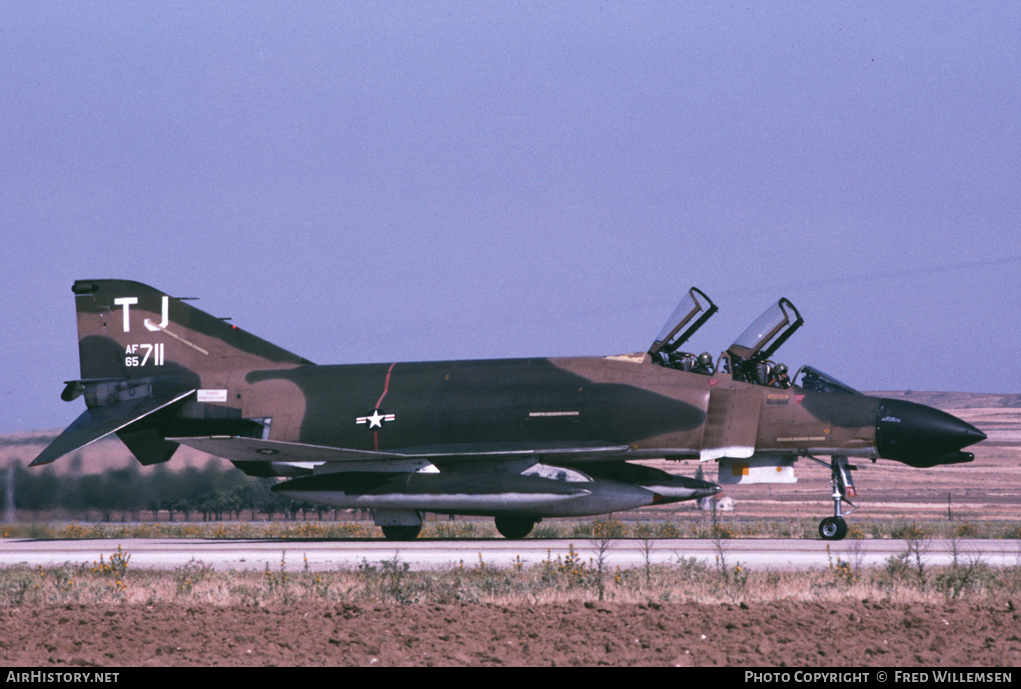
{"type": "Point", "coordinates": [142, 353]}
{"type": "Point", "coordinates": [129, 330]}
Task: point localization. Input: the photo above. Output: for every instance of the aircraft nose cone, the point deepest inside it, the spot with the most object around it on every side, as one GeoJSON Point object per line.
{"type": "Point", "coordinates": [922, 436]}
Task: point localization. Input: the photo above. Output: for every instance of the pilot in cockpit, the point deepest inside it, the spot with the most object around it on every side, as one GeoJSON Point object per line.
{"type": "Point", "coordinates": [704, 364]}
{"type": "Point", "coordinates": [778, 377]}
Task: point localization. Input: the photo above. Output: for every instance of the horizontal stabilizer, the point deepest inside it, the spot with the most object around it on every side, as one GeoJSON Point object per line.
{"type": "Point", "coordinates": [99, 422]}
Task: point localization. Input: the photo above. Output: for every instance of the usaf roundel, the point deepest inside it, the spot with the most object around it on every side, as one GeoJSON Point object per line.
{"type": "Point", "coordinates": [375, 419]}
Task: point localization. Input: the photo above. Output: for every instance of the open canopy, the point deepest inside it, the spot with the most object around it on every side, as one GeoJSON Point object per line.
{"type": "Point", "coordinates": [695, 308]}
{"type": "Point", "coordinates": [768, 332]}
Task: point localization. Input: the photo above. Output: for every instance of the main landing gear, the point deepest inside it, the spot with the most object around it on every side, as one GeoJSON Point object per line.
{"type": "Point", "coordinates": [515, 528]}
{"type": "Point", "coordinates": [401, 532]}
{"type": "Point", "coordinates": [398, 525]}
{"type": "Point", "coordinates": [835, 528]}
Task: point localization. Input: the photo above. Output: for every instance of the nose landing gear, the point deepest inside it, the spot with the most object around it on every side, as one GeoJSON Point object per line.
{"type": "Point", "coordinates": [835, 528]}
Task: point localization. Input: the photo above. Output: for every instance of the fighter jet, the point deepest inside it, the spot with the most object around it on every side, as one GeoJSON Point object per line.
{"type": "Point", "coordinates": [516, 439]}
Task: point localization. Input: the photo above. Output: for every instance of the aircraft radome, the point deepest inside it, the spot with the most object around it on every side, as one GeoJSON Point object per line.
{"type": "Point", "coordinates": [516, 439]}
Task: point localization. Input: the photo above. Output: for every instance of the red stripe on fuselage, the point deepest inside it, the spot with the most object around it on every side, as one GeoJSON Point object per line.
{"type": "Point", "coordinates": [386, 385]}
{"type": "Point", "coordinates": [386, 388]}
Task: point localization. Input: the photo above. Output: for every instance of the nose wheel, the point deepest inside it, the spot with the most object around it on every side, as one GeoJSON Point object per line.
{"type": "Point", "coordinates": [835, 528]}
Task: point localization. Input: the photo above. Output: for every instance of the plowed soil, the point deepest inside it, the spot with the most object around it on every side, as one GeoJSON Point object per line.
{"type": "Point", "coordinates": [860, 633]}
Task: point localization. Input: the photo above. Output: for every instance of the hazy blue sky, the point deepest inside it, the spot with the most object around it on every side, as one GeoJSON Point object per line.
{"type": "Point", "coordinates": [384, 181]}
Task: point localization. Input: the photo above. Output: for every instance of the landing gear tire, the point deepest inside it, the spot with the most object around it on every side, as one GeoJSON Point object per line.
{"type": "Point", "coordinates": [402, 533]}
{"type": "Point", "coordinates": [833, 528]}
{"type": "Point", "coordinates": [514, 528]}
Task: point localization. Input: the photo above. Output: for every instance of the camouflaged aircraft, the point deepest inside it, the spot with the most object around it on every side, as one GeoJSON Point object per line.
{"type": "Point", "coordinates": [516, 439]}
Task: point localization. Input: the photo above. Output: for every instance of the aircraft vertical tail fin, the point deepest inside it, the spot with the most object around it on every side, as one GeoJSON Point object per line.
{"type": "Point", "coordinates": [130, 330]}
{"type": "Point", "coordinates": [142, 352]}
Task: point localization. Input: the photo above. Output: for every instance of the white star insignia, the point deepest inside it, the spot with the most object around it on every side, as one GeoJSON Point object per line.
{"type": "Point", "coordinates": [376, 419]}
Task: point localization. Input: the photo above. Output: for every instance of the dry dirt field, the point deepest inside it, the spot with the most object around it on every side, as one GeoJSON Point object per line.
{"type": "Point", "coordinates": [853, 632]}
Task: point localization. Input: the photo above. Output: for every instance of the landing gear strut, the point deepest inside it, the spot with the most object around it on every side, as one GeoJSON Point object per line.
{"type": "Point", "coordinates": [835, 528]}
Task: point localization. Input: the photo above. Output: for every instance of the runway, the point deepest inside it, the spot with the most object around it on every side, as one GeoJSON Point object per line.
{"type": "Point", "coordinates": [426, 554]}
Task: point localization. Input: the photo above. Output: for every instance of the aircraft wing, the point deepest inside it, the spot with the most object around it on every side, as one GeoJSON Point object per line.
{"type": "Point", "coordinates": [99, 422]}
{"type": "Point", "coordinates": [238, 449]}
{"type": "Point", "coordinates": [255, 450]}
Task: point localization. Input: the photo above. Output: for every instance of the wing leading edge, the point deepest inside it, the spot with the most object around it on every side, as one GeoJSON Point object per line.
{"type": "Point", "coordinates": [238, 449]}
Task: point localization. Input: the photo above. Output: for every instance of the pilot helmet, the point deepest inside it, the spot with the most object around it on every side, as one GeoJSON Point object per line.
{"type": "Point", "coordinates": [705, 359]}
{"type": "Point", "coordinates": [780, 370]}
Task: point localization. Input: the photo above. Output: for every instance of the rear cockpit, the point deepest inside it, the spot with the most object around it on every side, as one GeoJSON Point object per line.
{"type": "Point", "coordinates": [690, 315]}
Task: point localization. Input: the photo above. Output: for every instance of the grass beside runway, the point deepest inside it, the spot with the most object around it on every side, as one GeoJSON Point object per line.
{"type": "Point", "coordinates": [903, 578]}
{"type": "Point", "coordinates": [699, 526]}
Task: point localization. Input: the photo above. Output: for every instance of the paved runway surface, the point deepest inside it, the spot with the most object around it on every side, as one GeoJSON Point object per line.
{"type": "Point", "coordinates": [322, 554]}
